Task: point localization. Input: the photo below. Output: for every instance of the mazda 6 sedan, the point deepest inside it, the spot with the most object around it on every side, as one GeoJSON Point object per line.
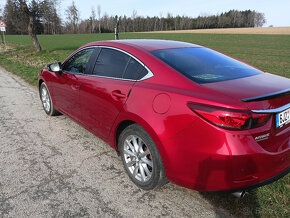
{"type": "Point", "coordinates": [176, 112]}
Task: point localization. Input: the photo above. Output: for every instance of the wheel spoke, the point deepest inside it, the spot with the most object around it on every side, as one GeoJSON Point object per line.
{"type": "Point", "coordinates": [143, 177]}
{"type": "Point", "coordinates": [131, 163]}
{"type": "Point", "coordinates": [130, 145]}
{"type": "Point", "coordinates": [140, 142]}
{"type": "Point", "coordinates": [130, 153]}
{"type": "Point", "coordinates": [147, 171]}
{"type": "Point", "coordinates": [136, 146]}
{"type": "Point", "coordinates": [144, 153]}
{"type": "Point", "coordinates": [146, 161]}
{"type": "Point", "coordinates": [135, 171]}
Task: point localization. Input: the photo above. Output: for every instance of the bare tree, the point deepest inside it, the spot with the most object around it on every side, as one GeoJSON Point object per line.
{"type": "Point", "coordinates": [161, 23]}
{"type": "Point", "coordinates": [259, 19]}
{"type": "Point", "coordinates": [249, 18]}
{"type": "Point", "coordinates": [93, 19]}
{"type": "Point", "coordinates": [99, 16]}
{"type": "Point", "coordinates": [224, 21]}
{"type": "Point", "coordinates": [233, 16]}
{"type": "Point", "coordinates": [30, 27]}
{"type": "Point", "coordinates": [124, 23]}
{"type": "Point", "coordinates": [134, 15]}
{"type": "Point", "coordinates": [72, 16]}
{"type": "Point", "coordinates": [51, 21]}
{"type": "Point", "coordinates": [239, 19]}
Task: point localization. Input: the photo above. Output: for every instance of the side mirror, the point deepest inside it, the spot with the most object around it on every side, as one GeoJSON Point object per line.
{"type": "Point", "coordinates": [55, 67]}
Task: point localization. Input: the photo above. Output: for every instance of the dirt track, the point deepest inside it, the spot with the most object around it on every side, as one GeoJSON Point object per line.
{"type": "Point", "coordinates": [51, 167]}
{"type": "Point", "coordinates": [258, 30]}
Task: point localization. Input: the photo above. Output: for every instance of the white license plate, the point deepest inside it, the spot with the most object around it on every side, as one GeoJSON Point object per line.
{"type": "Point", "coordinates": [283, 118]}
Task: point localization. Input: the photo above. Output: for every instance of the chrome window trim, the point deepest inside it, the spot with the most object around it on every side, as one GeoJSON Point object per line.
{"type": "Point", "coordinates": [271, 111]}
{"type": "Point", "coordinates": [107, 77]}
{"type": "Point", "coordinates": [147, 76]}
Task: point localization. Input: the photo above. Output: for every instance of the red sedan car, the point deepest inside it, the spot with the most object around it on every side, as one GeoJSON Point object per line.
{"type": "Point", "coordinates": [176, 111]}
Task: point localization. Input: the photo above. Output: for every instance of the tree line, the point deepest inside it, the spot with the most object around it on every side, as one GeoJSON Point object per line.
{"type": "Point", "coordinates": [47, 20]}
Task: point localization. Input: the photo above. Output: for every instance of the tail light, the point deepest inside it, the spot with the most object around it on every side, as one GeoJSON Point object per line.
{"type": "Point", "coordinates": [229, 118]}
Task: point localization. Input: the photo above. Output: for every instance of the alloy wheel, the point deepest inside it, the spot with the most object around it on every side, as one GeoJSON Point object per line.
{"type": "Point", "coordinates": [45, 99]}
{"type": "Point", "coordinates": [138, 158]}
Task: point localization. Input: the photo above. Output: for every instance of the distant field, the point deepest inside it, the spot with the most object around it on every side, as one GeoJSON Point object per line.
{"type": "Point", "coordinates": [257, 30]}
{"type": "Point", "coordinates": [268, 52]}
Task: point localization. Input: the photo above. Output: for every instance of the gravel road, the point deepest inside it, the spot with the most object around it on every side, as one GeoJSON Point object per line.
{"type": "Point", "coordinates": [51, 166]}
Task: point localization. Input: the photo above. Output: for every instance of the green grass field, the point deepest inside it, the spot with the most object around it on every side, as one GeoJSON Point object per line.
{"type": "Point", "coordinates": [268, 52]}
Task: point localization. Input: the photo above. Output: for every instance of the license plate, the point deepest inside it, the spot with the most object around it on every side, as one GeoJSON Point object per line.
{"type": "Point", "coordinates": [283, 118]}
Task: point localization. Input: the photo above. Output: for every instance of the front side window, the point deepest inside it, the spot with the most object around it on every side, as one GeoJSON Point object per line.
{"type": "Point", "coordinates": [111, 63]}
{"type": "Point", "coordinates": [203, 65]}
{"type": "Point", "coordinates": [78, 62]}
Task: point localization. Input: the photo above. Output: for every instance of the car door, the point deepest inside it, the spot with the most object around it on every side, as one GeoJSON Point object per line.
{"type": "Point", "coordinates": [66, 88]}
{"type": "Point", "coordinates": [105, 91]}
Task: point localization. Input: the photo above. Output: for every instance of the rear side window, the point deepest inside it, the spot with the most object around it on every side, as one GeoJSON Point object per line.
{"type": "Point", "coordinates": [134, 70]}
{"type": "Point", "coordinates": [203, 65]}
{"type": "Point", "coordinates": [111, 63]}
{"type": "Point", "coordinates": [78, 62]}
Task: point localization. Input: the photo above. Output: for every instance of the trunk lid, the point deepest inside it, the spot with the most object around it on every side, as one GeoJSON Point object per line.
{"type": "Point", "coordinates": [253, 86]}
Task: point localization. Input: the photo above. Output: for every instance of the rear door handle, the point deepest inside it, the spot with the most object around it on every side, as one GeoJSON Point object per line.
{"type": "Point", "coordinates": [118, 94]}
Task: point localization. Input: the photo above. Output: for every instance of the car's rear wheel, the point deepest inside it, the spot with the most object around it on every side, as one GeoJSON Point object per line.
{"type": "Point", "coordinates": [46, 101]}
{"type": "Point", "coordinates": [141, 158]}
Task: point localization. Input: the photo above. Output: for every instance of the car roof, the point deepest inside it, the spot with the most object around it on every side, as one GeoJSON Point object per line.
{"type": "Point", "coordinates": [149, 44]}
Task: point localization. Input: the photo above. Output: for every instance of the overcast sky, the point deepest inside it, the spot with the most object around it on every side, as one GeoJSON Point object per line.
{"type": "Point", "coordinates": [277, 12]}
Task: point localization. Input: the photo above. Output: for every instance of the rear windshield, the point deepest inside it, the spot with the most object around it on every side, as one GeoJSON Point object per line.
{"type": "Point", "coordinates": [203, 65]}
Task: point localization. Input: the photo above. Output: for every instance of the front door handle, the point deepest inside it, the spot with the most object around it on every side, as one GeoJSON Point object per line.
{"type": "Point", "coordinates": [76, 86]}
{"type": "Point", "coordinates": [118, 94]}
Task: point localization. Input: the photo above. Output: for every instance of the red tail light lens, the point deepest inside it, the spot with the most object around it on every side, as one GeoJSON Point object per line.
{"type": "Point", "coordinates": [260, 119]}
{"type": "Point", "coordinates": [229, 118]}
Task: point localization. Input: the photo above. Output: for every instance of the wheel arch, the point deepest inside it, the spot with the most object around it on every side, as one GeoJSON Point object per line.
{"type": "Point", "coordinates": [126, 119]}
{"type": "Point", "coordinates": [40, 81]}
{"type": "Point", "coordinates": [120, 127]}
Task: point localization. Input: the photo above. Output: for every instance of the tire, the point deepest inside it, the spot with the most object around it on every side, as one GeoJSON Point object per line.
{"type": "Point", "coordinates": [46, 101]}
{"type": "Point", "coordinates": [141, 158]}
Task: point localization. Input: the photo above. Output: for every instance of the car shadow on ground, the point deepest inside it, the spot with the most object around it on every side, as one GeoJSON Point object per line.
{"type": "Point", "coordinates": [248, 206]}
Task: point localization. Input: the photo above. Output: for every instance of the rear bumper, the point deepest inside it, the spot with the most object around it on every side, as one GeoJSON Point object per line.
{"type": "Point", "coordinates": [259, 184]}
{"type": "Point", "coordinates": [206, 158]}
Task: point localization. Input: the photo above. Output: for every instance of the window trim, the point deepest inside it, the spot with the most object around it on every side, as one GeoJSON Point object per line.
{"type": "Point", "coordinates": [147, 76]}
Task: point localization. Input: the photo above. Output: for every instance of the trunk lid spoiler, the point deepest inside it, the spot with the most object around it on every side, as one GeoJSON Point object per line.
{"type": "Point", "coordinates": [284, 92]}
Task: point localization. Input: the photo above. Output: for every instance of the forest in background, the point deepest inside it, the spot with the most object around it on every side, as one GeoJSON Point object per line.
{"type": "Point", "coordinates": [47, 20]}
